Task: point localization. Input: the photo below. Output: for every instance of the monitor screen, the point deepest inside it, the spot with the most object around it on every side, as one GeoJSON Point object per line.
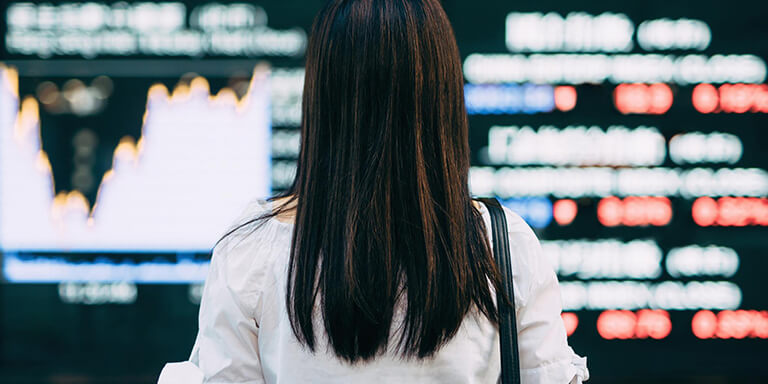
{"type": "Point", "coordinates": [629, 137]}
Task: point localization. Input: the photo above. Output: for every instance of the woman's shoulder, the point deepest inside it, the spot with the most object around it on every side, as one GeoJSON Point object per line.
{"type": "Point", "coordinates": [530, 268]}
{"type": "Point", "coordinates": [249, 223]}
{"type": "Point", "coordinates": [244, 256]}
{"type": "Point", "coordinates": [515, 223]}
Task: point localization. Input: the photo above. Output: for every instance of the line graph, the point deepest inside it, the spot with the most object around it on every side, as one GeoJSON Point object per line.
{"type": "Point", "coordinates": [199, 160]}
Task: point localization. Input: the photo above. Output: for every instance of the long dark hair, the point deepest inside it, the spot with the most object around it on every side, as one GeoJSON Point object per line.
{"type": "Point", "coordinates": [383, 209]}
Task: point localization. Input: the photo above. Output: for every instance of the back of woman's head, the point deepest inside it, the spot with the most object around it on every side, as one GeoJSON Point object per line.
{"type": "Point", "coordinates": [383, 205]}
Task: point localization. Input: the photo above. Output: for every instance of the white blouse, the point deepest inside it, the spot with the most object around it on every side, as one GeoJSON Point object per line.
{"type": "Point", "coordinates": [245, 335]}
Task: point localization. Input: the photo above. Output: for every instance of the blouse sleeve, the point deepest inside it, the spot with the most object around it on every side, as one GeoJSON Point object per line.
{"type": "Point", "coordinates": [226, 347]}
{"type": "Point", "coordinates": [545, 356]}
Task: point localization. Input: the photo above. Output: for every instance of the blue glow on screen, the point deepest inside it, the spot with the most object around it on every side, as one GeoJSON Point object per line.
{"type": "Point", "coordinates": [495, 99]}
{"type": "Point", "coordinates": [536, 211]}
{"type": "Point", "coordinates": [43, 269]}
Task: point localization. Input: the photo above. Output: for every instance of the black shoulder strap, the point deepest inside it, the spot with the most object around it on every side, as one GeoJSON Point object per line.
{"type": "Point", "coordinates": [510, 359]}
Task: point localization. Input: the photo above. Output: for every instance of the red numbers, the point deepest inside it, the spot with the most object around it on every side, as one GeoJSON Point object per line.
{"type": "Point", "coordinates": [704, 324]}
{"type": "Point", "coordinates": [634, 211]}
{"type": "Point", "coordinates": [653, 323]}
{"type": "Point", "coordinates": [564, 211]}
{"type": "Point", "coordinates": [730, 324]}
{"type": "Point", "coordinates": [571, 322]}
{"type": "Point", "coordinates": [616, 325]}
{"type": "Point", "coordinates": [624, 325]}
{"type": "Point", "coordinates": [654, 99]}
{"type": "Point", "coordinates": [565, 98]}
{"type": "Point", "coordinates": [731, 98]}
{"type": "Point", "coordinates": [705, 98]}
{"type": "Point", "coordinates": [730, 211]}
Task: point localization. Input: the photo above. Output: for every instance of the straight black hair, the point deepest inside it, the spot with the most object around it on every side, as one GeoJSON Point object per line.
{"type": "Point", "coordinates": [383, 211]}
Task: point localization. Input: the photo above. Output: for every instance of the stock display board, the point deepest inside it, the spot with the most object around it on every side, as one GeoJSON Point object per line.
{"type": "Point", "coordinates": [629, 135]}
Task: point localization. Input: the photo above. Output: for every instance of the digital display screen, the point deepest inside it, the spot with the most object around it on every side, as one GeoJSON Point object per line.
{"type": "Point", "coordinates": [629, 136]}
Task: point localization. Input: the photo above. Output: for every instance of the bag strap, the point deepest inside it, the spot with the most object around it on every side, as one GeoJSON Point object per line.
{"type": "Point", "coordinates": [510, 359]}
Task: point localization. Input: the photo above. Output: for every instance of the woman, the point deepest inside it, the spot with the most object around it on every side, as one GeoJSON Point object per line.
{"type": "Point", "coordinates": [375, 266]}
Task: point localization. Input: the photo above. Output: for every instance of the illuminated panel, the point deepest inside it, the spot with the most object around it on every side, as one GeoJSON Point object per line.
{"type": "Point", "coordinates": [565, 98]}
{"type": "Point", "coordinates": [536, 211]}
{"type": "Point", "coordinates": [575, 145]}
{"type": "Point", "coordinates": [731, 98]}
{"type": "Point", "coordinates": [667, 34]}
{"type": "Point", "coordinates": [616, 275]}
{"type": "Point", "coordinates": [570, 68]}
{"type": "Point", "coordinates": [53, 269]}
{"type": "Point", "coordinates": [668, 295]}
{"type": "Point", "coordinates": [283, 173]}
{"type": "Point", "coordinates": [571, 321]}
{"type": "Point", "coordinates": [287, 89]}
{"type": "Point", "coordinates": [697, 147]}
{"type": "Point", "coordinates": [92, 29]}
{"type": "Point", "coordinates": [286, 143]}
{"type": "Point", "coordinates": [509, 99]}
{"type": "Point", "coordinates": [702, 261]}
{"type": "Point", "coordinates": [604, 259]}
{"type": "Point", "coordinates": [739, 324]}
{"type": "Point", "coordinates": [574, 182]}
{"type": "Point", "coordinates": [730, 211]}
{"type": "Point", "coordinates": [654, 99]}
{"type": "Point", "coordinates": [96, 293]}
{"type": "Point", "coordinates": [623, 325]}
{"type": "Point", "coordinates": [617, 325]}
{"type": "Point", "coordinates": [634, 211]}
{"type": "Point", "coordinates": [565, 211]}
{"type": "Point", "coordinates": [200, 159]}
{"type": "Point", "coordinates": [705, 98]}
{"type": "Point", "coordinates": [654, 324]}
{"type": "Point", "coordinates": [577, 32]}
